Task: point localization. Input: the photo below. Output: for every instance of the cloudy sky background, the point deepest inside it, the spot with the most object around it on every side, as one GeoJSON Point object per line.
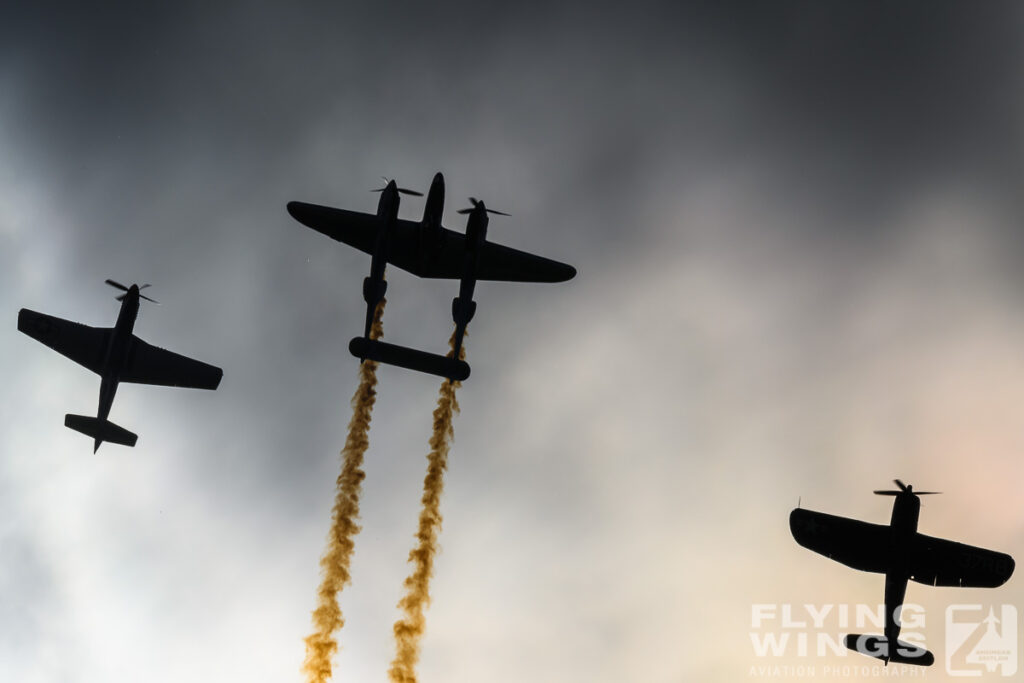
{"type": "Point", "coordinates": [797, 229]}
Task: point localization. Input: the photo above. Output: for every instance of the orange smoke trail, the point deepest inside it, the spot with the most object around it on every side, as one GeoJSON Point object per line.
{"type": "Point", "coordinates": [327, 619]}
{"type": "Point", "coordinates": [411, 626]}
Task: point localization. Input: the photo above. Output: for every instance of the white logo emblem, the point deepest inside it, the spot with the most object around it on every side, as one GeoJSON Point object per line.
{"type": "Point", "coordinates": [981, 641]}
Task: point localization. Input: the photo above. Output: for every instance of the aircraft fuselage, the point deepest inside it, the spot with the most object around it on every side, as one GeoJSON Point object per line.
{"type": "Point", "coordinates": [906, 509]}
{"type": "Point", "coordinates": [117, 350]}
{"type": "Point", "coordinates": [374, 286]}
{"type": "Point", "coordinates": [433, 210]}
{"type": "Point", "coordinates": [463, 306]}
{"type": "Point", "coordinates": [430, 234]}
{"type": "Point", "coordinates": [476, 234]}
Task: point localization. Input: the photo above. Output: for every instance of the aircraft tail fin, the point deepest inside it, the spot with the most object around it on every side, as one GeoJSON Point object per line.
{"type": "Point", "coordinates": [878, 647]}
{"type": "Point", "coordinates": [100, 430]}
{"type": "Point", "coordinates": [411, 359]}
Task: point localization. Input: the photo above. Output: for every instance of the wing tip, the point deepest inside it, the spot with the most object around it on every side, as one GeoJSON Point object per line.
{"type": "Point", "coordinates": [556, 272]}
{"type": "Point", "coordinates": [1011, 564]}
{"type": "Point", "coordinates": [294, 208]}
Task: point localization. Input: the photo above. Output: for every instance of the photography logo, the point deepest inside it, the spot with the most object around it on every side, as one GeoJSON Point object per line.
{"type": "Point", "coordinates": [981, 640]}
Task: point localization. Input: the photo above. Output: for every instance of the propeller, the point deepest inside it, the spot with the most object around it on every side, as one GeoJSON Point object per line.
{"type": "Point", "coordinates": [905, 489]}
{"type": "Point", "coordinates": [118, 285]}
{"type": "Point", "coordinates": [476, 204]}
{"type": "Point", "coordinates": [414, 193]}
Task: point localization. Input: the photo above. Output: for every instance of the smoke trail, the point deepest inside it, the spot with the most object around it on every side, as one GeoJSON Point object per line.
{"type": "Point", "coordinates": [411, 626]}
{"type": "Point", "coordinates": [327, 619]}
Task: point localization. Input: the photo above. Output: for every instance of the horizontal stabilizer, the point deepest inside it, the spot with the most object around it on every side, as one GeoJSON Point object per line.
{"type": "Point", "coordinates": [101, 430]}
{"type": "Point", "coordinates": [878, 647]}
{"type": "Point", "coordinates": [411, 359]}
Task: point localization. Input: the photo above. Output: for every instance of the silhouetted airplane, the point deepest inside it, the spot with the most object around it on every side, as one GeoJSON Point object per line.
{"type": "Point", "coordinates": [902, 554]}
{"type": "Point", "coordinates": [428, 250]}
{"type": "Point", "coordinates": [116, 355]}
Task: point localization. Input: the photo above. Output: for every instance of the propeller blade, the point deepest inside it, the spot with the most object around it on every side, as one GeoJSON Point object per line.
{"type": "Point", "coordinates": [888, 493]}
{"type": "Point", "coordinates": [143, 296]}
{"type": "Point", "coordinates": [402, 190]}
{"type": "Point", "coordinates": [121, 298]}
{"type": "Point", "coordinates": [477, 204]}
{"type": "Point", "coordinates": [927, 493]}
{"type": "Point", "coordinates": [903, 487]}
{"type": "Point", "coordinates": [145, 285]}
{"type": "Point", "coordinates": [116, 285]}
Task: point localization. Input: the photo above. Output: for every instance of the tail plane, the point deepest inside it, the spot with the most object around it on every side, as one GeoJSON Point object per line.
{"type": "Point", "coordinates": [411, 359]}
{"type": "Point", "coordinates": [878, 647]}
{"type": "Point", "coordinates": [100, 430]}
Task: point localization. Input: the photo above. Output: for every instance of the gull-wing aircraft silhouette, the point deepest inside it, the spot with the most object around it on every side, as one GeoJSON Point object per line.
{"type": "Point", "coordinates": [902, 554]}
{"type": "Point", "coordinates": [429, 250]}
{"type": "Point", "coordinates": [116, 355]}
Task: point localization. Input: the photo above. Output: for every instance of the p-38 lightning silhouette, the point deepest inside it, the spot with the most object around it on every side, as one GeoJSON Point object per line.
{"type": "Point", "coordinates": [116, 355]}
{"type": "Point", "coordinates": [428, 250]}
{"type": "Point", "coordinates": [902, 554]}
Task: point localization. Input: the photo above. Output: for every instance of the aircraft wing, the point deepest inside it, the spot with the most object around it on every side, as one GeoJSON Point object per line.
{"type": "Point", "coordinates": [85, 345]}
{"type": "Point", "coordinates": [148, 364]}
{"type": "Point", "coordinates": [440, 258]}
{"type": "Point", "coordinates": [856, 544]}
{"type": "Point", "coordinates": [498, 262]}
{"type": "Point", "coordinates": [445, 258]}
{"type": "Point", "coordinates": [938, 562]}
{"type": "Point", "coordinates": [355, 229]}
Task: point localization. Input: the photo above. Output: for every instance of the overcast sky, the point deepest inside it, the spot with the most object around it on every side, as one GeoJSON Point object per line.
{"type": "Point", "coordinates": [797, 230]}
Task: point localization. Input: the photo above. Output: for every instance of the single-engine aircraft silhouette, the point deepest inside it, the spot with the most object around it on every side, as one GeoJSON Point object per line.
{"type": "Point", "coordinates": [116, 355]}
{"type": "Point", "coordinates": [902, 554]}
{"type": "Point", "coordinates": [428, 250]}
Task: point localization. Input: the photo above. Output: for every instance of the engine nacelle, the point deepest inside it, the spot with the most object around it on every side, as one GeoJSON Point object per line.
{"type": "Point", "coordinates": [372, 294]}
{"type": "Point", "coordinates": [463, 311]}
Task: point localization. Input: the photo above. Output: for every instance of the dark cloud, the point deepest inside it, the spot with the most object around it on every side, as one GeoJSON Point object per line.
{"type": "Point", "coordinates": [851, 105]}
{"type": "Point", "coordinates": [870, 102]}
